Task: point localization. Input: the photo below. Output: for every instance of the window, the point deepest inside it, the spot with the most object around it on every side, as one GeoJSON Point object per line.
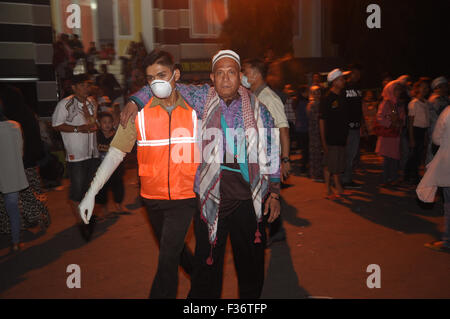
{"type": "Point", "coordinates": [207, 17]}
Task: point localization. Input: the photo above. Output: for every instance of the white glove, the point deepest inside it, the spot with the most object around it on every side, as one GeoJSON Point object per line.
{"type": "Point", "coordinates": [112, 160]}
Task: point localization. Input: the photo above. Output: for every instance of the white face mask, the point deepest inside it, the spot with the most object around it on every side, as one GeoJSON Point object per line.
{"type": "Point", "coordinates": [161, 88]}
{"type": "Point", "coordinates": [245, 82]}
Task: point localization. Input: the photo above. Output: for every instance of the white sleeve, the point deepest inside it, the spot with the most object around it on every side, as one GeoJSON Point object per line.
{"type": "Point", "coordinates": [60, 114]}
{"type": "Point", "coordinates": [440, 126]}
{"type": "Point", "coordinates": [109, 164]}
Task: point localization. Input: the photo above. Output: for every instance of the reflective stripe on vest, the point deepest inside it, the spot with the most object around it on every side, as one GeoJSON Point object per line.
{"type": "Point", "coordinates": [142, 141]}
{"type": "Point", "coordinates": [166, 148]}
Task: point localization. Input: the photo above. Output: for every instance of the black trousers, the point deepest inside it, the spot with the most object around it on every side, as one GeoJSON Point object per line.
{"type": "Point", "coordinates": [170, 221]}
{"type": "Point", "coordinates": [206, 280]}
{"type": "Point", "coordinates": [412, 166]}
{"type": "Point", "coordinates": [115, 183]}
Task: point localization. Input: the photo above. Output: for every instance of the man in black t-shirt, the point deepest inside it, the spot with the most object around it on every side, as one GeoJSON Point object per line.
{"type": "Point", "coordinates": [354, 99]}
{"type": "Point", "coordinates": [334, 118]}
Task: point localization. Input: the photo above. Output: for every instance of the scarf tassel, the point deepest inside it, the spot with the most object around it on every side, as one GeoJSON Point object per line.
{"type": "Point", "coordinates": [210, 260]}
{"type": "Point", "coordinates": [257, 235]}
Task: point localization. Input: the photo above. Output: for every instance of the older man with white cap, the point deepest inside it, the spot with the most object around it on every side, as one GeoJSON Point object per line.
{"type": "Point", "coordinates": [439, 100]}
{"type": "Point", "coordinates": [233, 191]}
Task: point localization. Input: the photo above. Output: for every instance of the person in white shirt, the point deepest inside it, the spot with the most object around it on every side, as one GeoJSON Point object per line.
{"type": "Point", "coordinates": [75, 118]}
{"type": "Point", "coordinates": [438, 175]}
{"type": "Point", "coordinates": [418, 123]}
{"type": "Point", "coordinates": [255, 72]}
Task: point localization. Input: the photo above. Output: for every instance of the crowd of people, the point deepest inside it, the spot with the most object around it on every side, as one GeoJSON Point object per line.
{"type": "Point", "coordinates": [24, 204]}
{"type": "Point", "coordinates": [341, 121]}
{"type": "Point", "coordinates": [331, 121]}
{"type": "Point", "coordinates": [396, 124]}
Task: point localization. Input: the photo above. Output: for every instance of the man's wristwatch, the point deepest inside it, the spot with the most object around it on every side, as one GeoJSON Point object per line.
{"type": "Point", "coordinates": [285, 160]}
{"type": "Point", "coordinates": [75, 129]}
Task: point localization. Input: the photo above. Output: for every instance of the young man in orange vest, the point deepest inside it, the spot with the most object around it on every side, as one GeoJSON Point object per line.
{"type": "Point", "coordinates": [165, 131]}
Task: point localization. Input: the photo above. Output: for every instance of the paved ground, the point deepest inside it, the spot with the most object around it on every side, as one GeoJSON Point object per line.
{"type": "Point", "coordinates": [328, 248]}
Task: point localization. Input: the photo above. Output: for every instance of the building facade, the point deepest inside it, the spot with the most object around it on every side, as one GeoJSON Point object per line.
{"type": "Point", "coordinates": [26, 51]}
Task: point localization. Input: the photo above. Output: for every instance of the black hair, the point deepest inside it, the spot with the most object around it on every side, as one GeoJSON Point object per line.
{"type": "Point", "coordinates": [303, 89]}
{"type": "Point", "coordinates": [159, 57]}
{"type": "Point", "coordinates": [257, 64]}
{"type": "Point", "coordinates": [355, 66]}
{"type": "Point", "coordinates": [79, 78]}
{"type": "Point", "coordinates": [101, 115]}
{"type": "Point", "coordinates": [418, 83]}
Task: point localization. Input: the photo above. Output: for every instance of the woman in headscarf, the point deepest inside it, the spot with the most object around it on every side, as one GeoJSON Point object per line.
{"type": "Point", "coordinates": [390, 115]}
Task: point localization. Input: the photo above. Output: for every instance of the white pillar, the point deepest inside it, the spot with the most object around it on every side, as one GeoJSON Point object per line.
{"type": "Point", "coordinates": [308, 42]}
{"type": "Point", "coordinates": [147, 23]}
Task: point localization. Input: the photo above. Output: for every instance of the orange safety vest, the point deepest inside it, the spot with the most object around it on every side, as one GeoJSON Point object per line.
{"type": "Point", "coordinates": [165, 151]}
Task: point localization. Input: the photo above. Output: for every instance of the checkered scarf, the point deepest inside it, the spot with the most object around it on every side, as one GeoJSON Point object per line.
{"type": "Point", "coordinates": [210, 172]}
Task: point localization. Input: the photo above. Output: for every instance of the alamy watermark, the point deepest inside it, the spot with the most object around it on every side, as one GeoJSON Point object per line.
{"type": "Point", "coordinates": [249, 146]}
{"type": "Point", "coordinates": [374, 280]}
{"type": "Point", "coordinates": [73, 21]}
{"type": "Point", "coordinates": [74, 279]}
{"type": "Point", "coordinates": [374, 19]}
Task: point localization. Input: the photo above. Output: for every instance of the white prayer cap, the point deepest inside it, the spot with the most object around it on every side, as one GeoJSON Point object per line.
{"type": "Point", "coordinates": [226, 54]}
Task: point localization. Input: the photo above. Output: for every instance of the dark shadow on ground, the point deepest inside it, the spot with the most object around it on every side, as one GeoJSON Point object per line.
{"type": "Point", "coordinates": [281, 280]}
{"type": "Point", "coordinates": [394, 207]}
{"type": "Point", "coordinates": [289, 215]}
{"type": "Point", "coordinates": [14, 268]}
{"type": "Point", "coordinates": [25, 237]}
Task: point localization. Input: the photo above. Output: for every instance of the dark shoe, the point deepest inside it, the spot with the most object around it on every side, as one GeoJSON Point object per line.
{"type": "Point", "coordinates": [87, 230]}
{"type": "Point", "coordinates": [91, 226]}
{"type": "Point", "coordinates": [84, 231]}
{"type": "Point", "coordinates": [352, 185]}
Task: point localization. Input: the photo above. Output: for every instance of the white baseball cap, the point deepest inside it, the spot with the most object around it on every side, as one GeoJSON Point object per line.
{"type": "Point", "coordinates": [226, 54]}
{"type": "Point", "coordinates": [438, 81]}
{"type": "Point", "coordinates": [333, 75]}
